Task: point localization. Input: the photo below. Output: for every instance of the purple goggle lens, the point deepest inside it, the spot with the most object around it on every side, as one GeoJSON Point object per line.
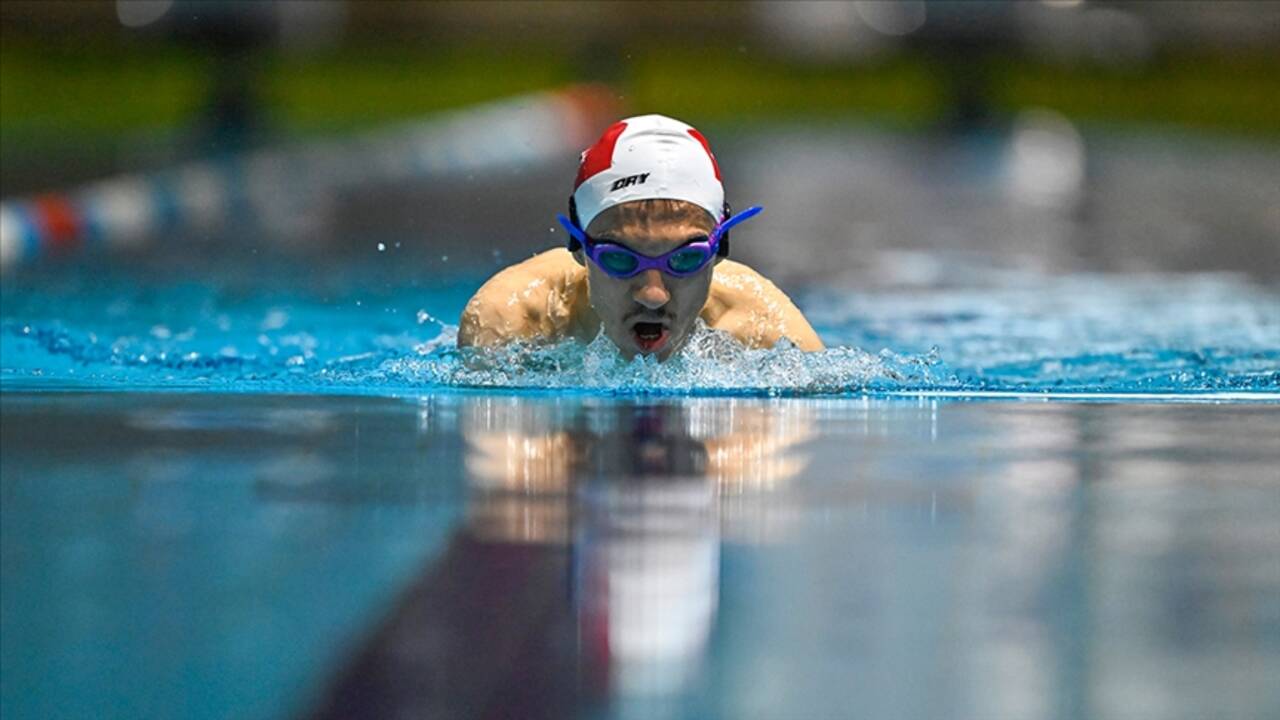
{"type": "Point", "coordinates": [621, 262]}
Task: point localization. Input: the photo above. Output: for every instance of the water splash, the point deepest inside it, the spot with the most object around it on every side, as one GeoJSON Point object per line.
{"type": "Point", "coordinates": [711, 362]}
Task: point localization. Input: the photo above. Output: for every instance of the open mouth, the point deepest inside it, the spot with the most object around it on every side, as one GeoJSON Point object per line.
{"type": "Point", "coordinates": [650, 336]}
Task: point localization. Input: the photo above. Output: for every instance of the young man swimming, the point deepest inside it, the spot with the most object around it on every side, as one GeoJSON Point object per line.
{"type": "Point", "coordinates": [647, 257]}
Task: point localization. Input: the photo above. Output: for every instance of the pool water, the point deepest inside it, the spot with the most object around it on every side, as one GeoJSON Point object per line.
{"type": "Point", "coordinates": [498, 555]}
{"type": "Point", "coordinates": [1011, 332]}
{"type": "Point", "coordinates": [301, 502]}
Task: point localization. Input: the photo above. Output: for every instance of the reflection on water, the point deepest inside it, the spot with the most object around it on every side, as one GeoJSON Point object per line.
{"type": "Point", "coordinates": [635, 492]}
{"type": "Point", "coordinates": [526, 461]}
{"type": "Point", "coordinates": [543, 556]}
{"type": "Point", "coordinates": [753, 558]}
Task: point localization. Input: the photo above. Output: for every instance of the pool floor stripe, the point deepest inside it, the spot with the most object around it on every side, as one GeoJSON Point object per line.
{"type": "Point", "coordinates": [485, 632]}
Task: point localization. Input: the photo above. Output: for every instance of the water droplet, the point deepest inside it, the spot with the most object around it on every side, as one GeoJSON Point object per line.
{"type": "Point", "coordinates": [274, 319]}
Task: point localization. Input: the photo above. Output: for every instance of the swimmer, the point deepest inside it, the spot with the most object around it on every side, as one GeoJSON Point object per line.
{"type": "Point", "coordinates": [646, 257]}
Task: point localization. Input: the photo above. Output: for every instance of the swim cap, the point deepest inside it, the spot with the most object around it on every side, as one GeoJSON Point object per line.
{"type": "Point", "coordinates": [644, 158]}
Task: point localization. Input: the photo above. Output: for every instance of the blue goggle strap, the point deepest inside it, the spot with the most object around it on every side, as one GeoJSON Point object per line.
{"type": "Point", "coordinates": [576, 236]}
{"type": "Point", "coordinates": [747, 214]}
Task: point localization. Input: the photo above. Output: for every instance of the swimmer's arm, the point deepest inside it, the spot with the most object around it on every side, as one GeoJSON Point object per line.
{"type": "Point", "coordinates": [758, 330]}
{"type": "Point", "coordinates": [799, 331]}
{"type": "Point", "coordinates": [522, 302]}
{"type": "Point", "coordinates": [495, 315]}
{"type": "Point", "coordinates": [748, 306]}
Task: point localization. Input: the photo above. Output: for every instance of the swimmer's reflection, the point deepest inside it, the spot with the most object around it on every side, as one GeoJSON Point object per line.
{"type": "Point", "coordinates": [635, 495]}
{"type": "Point", "coordinates": [646, 559]}
{"type": "Point", "coordinates": [588, 569]}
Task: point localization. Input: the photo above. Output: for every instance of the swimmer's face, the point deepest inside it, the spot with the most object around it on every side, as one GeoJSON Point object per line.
{"type": "Point", "coordinates": [650, 313]}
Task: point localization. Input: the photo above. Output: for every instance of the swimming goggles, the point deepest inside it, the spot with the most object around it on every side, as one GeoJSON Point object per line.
{"type": "Point", "coordinates": [619, 261]}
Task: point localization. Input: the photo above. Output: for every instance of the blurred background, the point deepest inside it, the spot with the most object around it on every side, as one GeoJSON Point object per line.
{"type": "Point", "coordinates": [1050, 134]}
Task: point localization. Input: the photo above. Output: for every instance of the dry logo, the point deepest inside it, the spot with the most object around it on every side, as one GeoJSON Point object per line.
{"type": "Point", "coordinates": [628, 181]}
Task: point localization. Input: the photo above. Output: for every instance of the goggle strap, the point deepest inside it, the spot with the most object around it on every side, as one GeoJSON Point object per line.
{"type": "Point", "coordinates": [573, 230]}
{"type": "Point", "coordinates": [744, 215]}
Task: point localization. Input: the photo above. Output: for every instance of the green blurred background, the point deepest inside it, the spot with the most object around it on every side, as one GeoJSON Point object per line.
{"type": "Point", "coordinates": [166, 80]}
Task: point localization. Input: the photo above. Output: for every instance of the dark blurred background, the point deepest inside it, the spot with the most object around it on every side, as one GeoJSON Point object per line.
{"type": "Point", "coordinates": [1087, 132]}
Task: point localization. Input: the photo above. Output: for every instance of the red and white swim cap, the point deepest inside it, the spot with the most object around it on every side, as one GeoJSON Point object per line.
{"type": "Point", "coordinates": [643, 158]}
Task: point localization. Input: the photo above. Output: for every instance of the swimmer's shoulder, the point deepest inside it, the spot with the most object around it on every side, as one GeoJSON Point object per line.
{"type": "Point", "coordinates": [529, 300]}
{"type": "Point", "coordinates": [750, 307]}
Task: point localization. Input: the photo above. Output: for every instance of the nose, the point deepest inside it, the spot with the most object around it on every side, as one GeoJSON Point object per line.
{"type": "Point", "coordinates": [651, 292]}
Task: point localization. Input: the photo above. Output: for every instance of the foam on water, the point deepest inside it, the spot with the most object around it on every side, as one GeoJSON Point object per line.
{"type": "Point", "coordinates": [1170, 335]}
{"type": "Point", "coordinates": [710, 362]}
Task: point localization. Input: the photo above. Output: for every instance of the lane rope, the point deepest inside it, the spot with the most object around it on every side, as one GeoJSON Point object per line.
{"type": "Point", "coordinates": [277, 190]}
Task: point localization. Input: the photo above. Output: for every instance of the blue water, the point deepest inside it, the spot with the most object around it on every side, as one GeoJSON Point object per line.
{"type": "Point", "coordinates": [1012, 332]}
{"type": "Point", "coordinates": [200, 555]}
{"type": "Point", "coordinates": [142, 579]}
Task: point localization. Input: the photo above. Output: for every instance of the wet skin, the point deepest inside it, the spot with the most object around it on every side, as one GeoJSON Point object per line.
{"type": "Point", "coordinates": [651, 312]}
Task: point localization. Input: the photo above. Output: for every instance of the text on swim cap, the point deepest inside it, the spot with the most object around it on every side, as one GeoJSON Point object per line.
{"type": "Point", "coordinates": [628, 181]}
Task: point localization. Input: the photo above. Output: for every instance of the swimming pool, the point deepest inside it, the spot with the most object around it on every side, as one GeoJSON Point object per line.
{"type": "Point", "coordinates": [1019, 484]}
